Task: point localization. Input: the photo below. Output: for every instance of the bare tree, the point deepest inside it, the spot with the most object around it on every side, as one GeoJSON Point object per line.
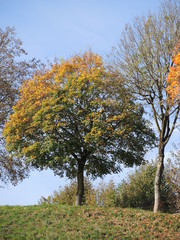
{"type": "Point", "coordinates": [143, 58]}
{"type": "Point", "coordinates": [13, 70]}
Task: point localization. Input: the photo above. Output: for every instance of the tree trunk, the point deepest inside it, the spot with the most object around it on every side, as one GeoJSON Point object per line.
{"type": "Point", "coordinates": [157, 183]}
{"type": "Point", "coordinates": [80, 183]}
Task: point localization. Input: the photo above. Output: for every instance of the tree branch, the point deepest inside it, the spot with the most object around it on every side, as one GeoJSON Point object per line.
{"type": "Point", "coordinates": [173, 125]}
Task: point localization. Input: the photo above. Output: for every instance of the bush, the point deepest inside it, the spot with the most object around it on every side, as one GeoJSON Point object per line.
{"type": "Point", "coordinates": [172, 174]}
{"type": "Point", "coordinates": [106, 194]}
{"type": "Point", "coordinates": [137, 191]}
{"type": "Point", "coordinates": [103, 195]}
{"type": "Point", "coordinates": [66, 195]}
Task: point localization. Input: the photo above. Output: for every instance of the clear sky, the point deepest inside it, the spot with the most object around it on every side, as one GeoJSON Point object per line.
{"type": "Point", "coordinates": [52, 28]}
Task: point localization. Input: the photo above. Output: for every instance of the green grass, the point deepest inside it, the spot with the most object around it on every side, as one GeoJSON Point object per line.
{"type": "Point", "coordinates": [65, 222]}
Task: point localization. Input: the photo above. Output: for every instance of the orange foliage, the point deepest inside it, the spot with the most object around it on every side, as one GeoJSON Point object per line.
{"type": "Point", "coordinates": [76, 112]}
{"type": "Point", "coordinates": [173, 79]}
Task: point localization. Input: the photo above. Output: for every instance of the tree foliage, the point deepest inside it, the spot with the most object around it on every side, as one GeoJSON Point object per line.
{"type": "Point", "coordinates": [76, 118]}
{"type": "Point", "coordinates": [13, 70]}
{"type": "Point", "coordinates": [144, 58]}
{"type": "Point", "coordinates": [173, 79]}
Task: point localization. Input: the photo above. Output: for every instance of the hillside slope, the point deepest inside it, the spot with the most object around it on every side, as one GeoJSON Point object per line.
{"type": "Point", "coordinates": [65, 222]}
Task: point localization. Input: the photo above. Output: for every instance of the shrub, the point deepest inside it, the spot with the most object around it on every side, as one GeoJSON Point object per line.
{"type": "Point", "coordinates": [103, 195]}
{"type": "Point", "coordinates": [66, 195]}
{"type": "Point", "coordinates": [138, 190]}
{"type": "Point", "coordinates": [172, 174]}
{"type": "Point", "coordinates": [106, 194]}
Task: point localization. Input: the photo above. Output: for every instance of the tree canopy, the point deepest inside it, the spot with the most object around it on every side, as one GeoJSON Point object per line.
{"type": "Point", "coordinates": [76, 117]}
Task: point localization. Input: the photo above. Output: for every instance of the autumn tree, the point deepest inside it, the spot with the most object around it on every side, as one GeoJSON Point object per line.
{"type": "Point", "coordinates": [13, 70]}
{"type": "Point", "coordinates": [143, 58]}
{"type": "Point", "coordinates": [75, 118]}
{"type": "Point", "coordinates": [173, 79]}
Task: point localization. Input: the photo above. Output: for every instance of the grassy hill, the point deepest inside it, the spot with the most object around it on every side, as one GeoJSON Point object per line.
{"type": "Point", "coordinates": [65, 222]}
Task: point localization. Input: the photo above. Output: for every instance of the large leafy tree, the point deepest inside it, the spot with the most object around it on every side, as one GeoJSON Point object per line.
{"type": "Point", "coordinates": [76, 118]}
{"type": "Point", "coordinates": [13, 70]}
{"type": "Point", "coordinates": [144, 58]}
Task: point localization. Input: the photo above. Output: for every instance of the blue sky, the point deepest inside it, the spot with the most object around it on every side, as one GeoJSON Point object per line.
{"type": "Point", "coordinates": [52, 28]}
